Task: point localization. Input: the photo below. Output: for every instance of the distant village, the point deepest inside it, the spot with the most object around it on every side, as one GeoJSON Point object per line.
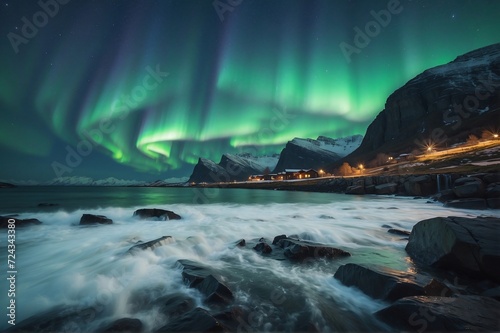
{"type": "Point", "coordinates": [289, 174]}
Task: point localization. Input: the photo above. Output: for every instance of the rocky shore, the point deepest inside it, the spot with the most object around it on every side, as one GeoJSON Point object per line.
{"type": "Point", "coordinates": [452, 283]}
{"type": "Point", "coordinates": [476, 191]}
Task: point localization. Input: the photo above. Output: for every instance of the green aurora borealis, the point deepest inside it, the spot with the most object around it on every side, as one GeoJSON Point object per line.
{"type": "Point", "coordinates": [272, 71]}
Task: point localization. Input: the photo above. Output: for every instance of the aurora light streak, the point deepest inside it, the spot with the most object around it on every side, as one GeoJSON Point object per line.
{"type": "Point", "coordinates": [226, 80]}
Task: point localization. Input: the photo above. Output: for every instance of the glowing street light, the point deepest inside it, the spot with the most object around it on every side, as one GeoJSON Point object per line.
{"type": "Point", "coordinates": [495, 136]}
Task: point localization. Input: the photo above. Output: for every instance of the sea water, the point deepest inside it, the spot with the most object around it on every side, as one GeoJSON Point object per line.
{"type": "Point", "coordinates": [62, 263]}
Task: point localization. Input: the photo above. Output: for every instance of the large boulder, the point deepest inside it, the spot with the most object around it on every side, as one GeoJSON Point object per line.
{"type": "Point", "coordinates": [492, 178]}
{"type": "Point", "coordinates": [151, 245]}
{"type": "Point", "coordinates": [468, 203]}
{"type": "Point", "coordinates": [420, 186]}
{"type": "Point", "coordinates": [124, 325]}
{"type": "Point", "coordinates": [387, 285]}
{"type": "Point", "coordinates": [156, 214]}
{"type": "Point", "coordinates": [389, 188]}
{"type": "Point", "coordinates": [197, 320]}
{"type": "Point", "coordinates": [493, 190]}
{"type": "Point", "coordinates": [300, 250]}
{"type": "Point", "coordinates": [355, 189]}
{"type": "Point", "coordinates": [4, 222]}
{"type": "Point", "coordinates": [94, 219]}
{"type": "Point", "coordinates": [469, 187]}
{"type": "Point", "coordinates": [465, 245]}
{"type": "Point", "coordinates": [493, 203]}
{"type": "Point", "coordinates": [174, 305]}
{"type": "Point", "coordinates": [443, 314]}
{"type": "Point", "coordinates": [206, 281]}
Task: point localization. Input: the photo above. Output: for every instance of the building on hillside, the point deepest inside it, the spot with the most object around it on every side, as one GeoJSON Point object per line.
{"type": "Point", "coordinates": [300, 174]}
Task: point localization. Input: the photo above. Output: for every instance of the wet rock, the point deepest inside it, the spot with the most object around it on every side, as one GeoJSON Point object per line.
{"type": "Point", "coordinates": [420, 185]}
{"type": "Point", "coordinates": [4, 222]}
{"type": "Point", "coordinates": [232, 318]}
{"type": "Point", "coordinates": [388, 285]}
{"type": "Point", "coordinates": [355, 189]}
{"type": "Point", "coordinates": [299, 250]}
{"type": "Point", "coordinates": [436, 288]}
{"type": "Point", "coordinates": [60, 318]}
{"type": "Point", "coordinates": [493, 190]}
{"type": "Point", "coordinates": [432, 314]}
{"type": "Point", "coordinates": [94, 219]}
{"type": "Point", "coordinates": [124, 325]}
{"type": "Point", "coordinates": [45, 204]}
{"type": "Point", "coordinates": [151, 245]}
{"type": "Point", "coordinates": [206, 281]}
{"type": "Point", "coordinates": [469, 203]}
{"type": "Point", "coordinates": [493, 203]}
{"type": "Point", "coordinates": [492, 178]}
{"type": "Point", "coordinates": [493, 293]}
{"type": "Point", "coordinates": [197, 320]}
{"type": "Point", "coordinates": [389, 188]}
{"type": "Point", "coordinates": [398, 232]}
{"type": "Point", "coordinates": [278, 238]}
{"type": "Point", "coordinates": [263, 248]}
{"type": "Point", "coordinates": [464, 245]}
{"type": "Point", "coordinates": [240, 243]}
{"type": "Point", "coordinates": [446, 195]}
{"type": "Point", "coordinates": [370, 189]}
{"type": "Point", "coordinates": [156, 214]}
{"type": "Point", "coordinates": [470, 187]}
{"type": "Point", "coordinates": [175, 305]}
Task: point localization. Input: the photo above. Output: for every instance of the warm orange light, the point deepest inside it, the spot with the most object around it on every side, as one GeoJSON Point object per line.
{"type": "Point", "coordinates": [495, 136]}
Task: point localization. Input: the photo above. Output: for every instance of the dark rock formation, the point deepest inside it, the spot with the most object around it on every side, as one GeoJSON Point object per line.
{"type": "Point", "coordinates": [197, 320]}
{"type": "Point", "coordinates": [440, 314]}
{"type": "Point", "coordinates": [124, 325]}
{"type": "Point", "coordinates": [305, 154]}
{"type": "Point", "coordinates": [469, 203]}
{"type": "Point", "coordinates": [263, 248]}
{"type": "Point", "coordinates": [278, 238]}
{"type": "Point", "coordinates": [399, 232]}
{"type": "Point", "coordinates": [60, 318]}
{"type": "Point", "coordinates": [45, 204]}
{"type": "Point", "coordinates": [206, 281]}
{"type": "Point", "coordinates": [420, 185]}
{"type": "Point", "coordinates": [493, 190]}
{"type": "Point", "coordinates": [6, 185]}
{"type": "Point", "coordinates": [355, 189]}
{"type": "Point", "coordinates": [493, 203]}
{"type": "Point", "coordinates": [94, 219]}
{"type": "Point", "coordinates": [300, 250]}
{"type": "Point", "coordinates": [436, 288]}
{"type": "Point", "coordinates": [432, 106]}
{"type": "Point", "coordinates": [239, 168]}
{"type": "Point", "coordinates": [389, 188]}
{"type": "Point", "coordinates": [155, 213]}
{"type": "Point", "coordinates": [151, 245]}
{"type": "Point", "coordinates": [207, 171]}
{"type": "Point", "coordinates": [387, 285]}
{"type": "Point", "coordinates": [4, 222]}
{"type": "Point", "coordinates": [174, 305]}
{"type": "Point", "coordinates": [469, 187]}
{"type": "Point", "coordinates": [240, 243]}
{"type": "Point", "coordinates": [465, 245]}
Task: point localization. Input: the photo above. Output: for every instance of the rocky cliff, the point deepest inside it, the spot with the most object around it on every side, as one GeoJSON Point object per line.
{"type": "Point", "coordinates": [443, 105]}
{"type": "Point", "coordinates": [315, 154]}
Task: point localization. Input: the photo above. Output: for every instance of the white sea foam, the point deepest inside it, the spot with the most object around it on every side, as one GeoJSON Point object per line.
{"type": "Point", "coordinates": [60, 262]}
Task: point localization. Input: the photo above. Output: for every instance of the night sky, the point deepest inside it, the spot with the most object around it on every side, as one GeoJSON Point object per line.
{"type": "Point", "coordinates": [141, 89]}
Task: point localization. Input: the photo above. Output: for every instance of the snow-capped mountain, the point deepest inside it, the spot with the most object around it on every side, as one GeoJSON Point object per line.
{"type": "Point", "coordinates": [316, 154]}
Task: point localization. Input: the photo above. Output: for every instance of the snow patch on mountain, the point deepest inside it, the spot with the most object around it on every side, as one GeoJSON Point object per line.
{"type": "Point", "coordinates": [341, 146]}
{"type": "Point", "coordinates": [258, 162]}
